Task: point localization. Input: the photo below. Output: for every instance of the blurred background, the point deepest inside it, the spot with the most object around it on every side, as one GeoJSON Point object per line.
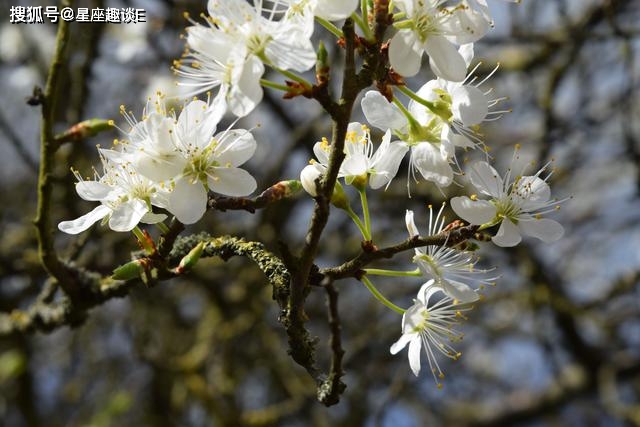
{"type": "Point", "coordinates": [556, 342]}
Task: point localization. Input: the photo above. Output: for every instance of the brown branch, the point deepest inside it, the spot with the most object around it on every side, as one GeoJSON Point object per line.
{"type": "Point", "coordinates": [332, 387]}
{"type": "Point", "coordinates": [48, 147]}
{"type": "Point", "coordinates": [273, 194]}
{"type": "Point", "coordinates": [46, 316]}
{"type": "Point", "coordinates": [353, 268]}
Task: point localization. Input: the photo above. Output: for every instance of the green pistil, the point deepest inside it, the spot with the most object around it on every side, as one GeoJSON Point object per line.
{"type": "Point", "coordinates": [198, 167]}
{"type": "Point", "coordinates": [429, 260]}
{"type": "Point", "coordinates": [429, 133]}
{"type": "Point", "coordinates": [507, 209]}
{"type": "Point", "coordinates": [442, 107]}
{"type": "Point", "coordinates": [257, 44]}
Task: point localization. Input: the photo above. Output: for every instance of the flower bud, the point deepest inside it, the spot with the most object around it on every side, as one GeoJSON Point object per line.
{"type": "Point", "coordinates": [84, 130]}
{"type": "Point", "coordinates": [322, 66]}
{"type": "Point", "coordinates": [128, 271]}
{"type": "Point", "coordinates": [308, 178]}
{"type": "Point", "coordinates": [339, 198]}
{"type": "Point", "coordinates": [190, 260]}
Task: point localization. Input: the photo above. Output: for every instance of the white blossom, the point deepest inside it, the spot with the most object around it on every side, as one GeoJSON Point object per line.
{"type": "Point", "coordinates": [186, 152]}
{"type": "Point", "coordinates": [517, 206]}
{"type": "Point", "coordinates": [459, 106]}
{"type": "Point", "coordinates": [429, 27]}
{"type": "Point", "coordinates": [430, 154]}
{"type": "Point", "coordinates": [450, 269]}
{"type": "Point", "coordinates": [230, 51]}
{"type": "Point", "coordinates": [380, 166]}
{"type": "Point", "coordinates": [431, 328]}
{"type": "Point", "coordinates": [331, 10]}
{"type": "Point", "coordinates": [126, 199]}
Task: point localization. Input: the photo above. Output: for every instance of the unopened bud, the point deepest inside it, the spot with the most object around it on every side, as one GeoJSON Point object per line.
{"type": "Point", "coordinates": [84, 129]}
{"type": "Point", "coordinates": [339, 198]}
{"type": "Point", "coordinates": [128, 271]}
{"type": "Point", "coordinates": [308, 177]}
{"type": "Point", "coordinates": [190, 260]}
{"type": "Point", "coordinates": [322, 66]}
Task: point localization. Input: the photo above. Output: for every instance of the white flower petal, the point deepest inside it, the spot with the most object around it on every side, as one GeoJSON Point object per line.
{"type": "Point", "coordinates": [197, 123]}
{"type": "Point", "coordinates": [93, 190]}
{"type": "Point", "coordinates": [235, 147]}
{"type": "Point", "coordinates": [187, 201]}
{"type": "Point", "coordinates": [508, 235]}
{"type": "Point", "coordinates": [426, 157]}
{"type": "Point", "coordinates": [544, 229]}
{"type": "Point", "coordinates": [383, 114]}
{"type": "Point", "coordinates": [476, 212]}
{"type": "Point", "coordinates": [234, 182]}
{"type": "Point", "coordinates": [354, 165]}
{"type": "Point", "coordinates": [471, 25]}
{"type": "Point", "coordinates": [321, 151]}
{"type": "Point", "coordinates": [459, 291]}
{"type": "Point", "coordinates": [405, 53]}
{"type": "Point", "coordinates": [531, 193]}
{"type": "Point", "coordinates": [387, 164]}
{"type": "Point", "coordinates": [296, 54]}
{"type": "Point", "coordinates": [82, 223]}
{"type": "Point", "coordinates": [159, 128]}
{"type": "Point", "coordinates": [427, 290]}
{"type": "Point", "coordinates": [469, 105]}
{"type": "Point", "coordinates": [485, 178]}
{"type": "Point", "coordinates": [444, 59]}
{"type": "Point", "coordinates": [334, 10]}
{"type": "Point", "coordinates": [401, 343]}
{"type": "Point", "coordinates": [126, 216]}
{"type": "Point", "coordinates": [160, 168]}
{"type": "Point", "coordinates": [152, 218]}
{"type": "Point", "coordinates": [243, 97]}
{"type": "Point", "coordinates": [308, 177]}
{"type": "Point", "coordinates": [411, 225]}
{"type": "Point", "coordinates": [466, 51]}
{"type": "Point", "coordinates": [414, 354]}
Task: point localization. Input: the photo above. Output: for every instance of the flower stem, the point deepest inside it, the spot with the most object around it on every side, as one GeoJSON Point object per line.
{"type": "Point", "coordinates": [361, 227]}
{"type": "Point", "coordinates": [363, 26]}
{"type": "Point", "coordinates": [392, 273]}
{"type": "Point", "coordinates": [163, 227]}
{"type": "Point", "coordinates": [274, 85]}
{"type": "Point", "coordinates": [288, 74]}
{"type": "Point", "coordinates": [364, 6]}
{"type": "Point", "coordinates": [376, 293]}
{"type": "Point", "coordinates": [412, 121]}
{"type": "Point", "coordinates": [365, 211]}
{"type": "Point", "coordinates": [329, 26]}
{"type": "Point", "coordinates": [292, 76]}
{"type": "Point", "coordinates": [430, 105]}
{"type": "Point", "coordinates": [144, 241]}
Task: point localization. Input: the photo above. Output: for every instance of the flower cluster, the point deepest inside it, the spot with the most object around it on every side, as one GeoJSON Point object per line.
{"type": "Point", "coordinates": [168, 162]}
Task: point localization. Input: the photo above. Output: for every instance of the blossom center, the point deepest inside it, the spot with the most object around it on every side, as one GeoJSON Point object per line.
{"type": "Point", "coordinates": [506, 207]}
